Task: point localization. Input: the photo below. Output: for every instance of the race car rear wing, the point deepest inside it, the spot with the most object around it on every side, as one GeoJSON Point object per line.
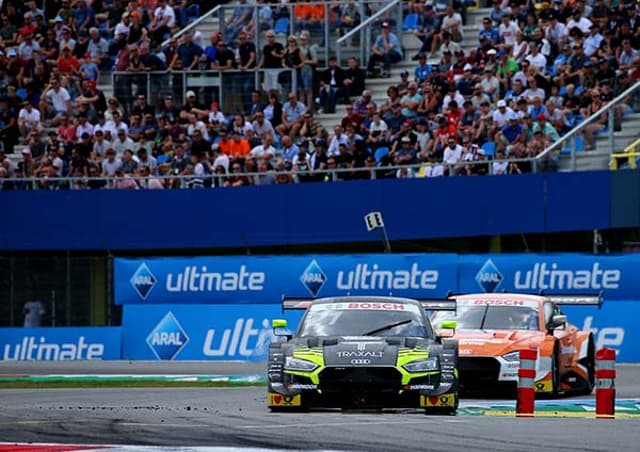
{"type": "Point", "coordinates": [429, 304]}
{"type": "Point", "coordinates": [296, 303]}
{"type": "Point", "coordinates": [576, 299]}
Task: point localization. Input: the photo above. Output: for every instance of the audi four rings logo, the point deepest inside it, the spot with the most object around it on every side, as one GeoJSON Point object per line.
{"type": "Point", "coordinates": [360, 362]}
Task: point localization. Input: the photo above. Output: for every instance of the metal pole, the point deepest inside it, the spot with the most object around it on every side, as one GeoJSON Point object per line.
{"type": "Point", "coordinates": [68, 291]}
{"type": "Point", "coordinates": [12, 289]}
{"type": "Point", "coordinates": [573, 154]}
{"type": "Point", "coordinates": [611, 126]}
{"type": "Point", "coordinates": [53, 307]}
{"type": "Point", "coordinates": [385, 238]}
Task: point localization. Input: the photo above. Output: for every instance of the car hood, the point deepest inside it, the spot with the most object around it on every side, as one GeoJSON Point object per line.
{"type": "Point", "coordinates": [495, 342]}
{"type": "Point", "coordinates": [359, 351]}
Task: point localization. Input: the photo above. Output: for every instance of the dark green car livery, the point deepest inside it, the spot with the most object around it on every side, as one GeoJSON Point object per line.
{"type": "Point", "coordinates": [363, 352]}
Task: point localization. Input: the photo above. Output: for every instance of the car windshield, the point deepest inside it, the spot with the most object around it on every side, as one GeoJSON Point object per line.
{"type": "Point", "coordinates": [364, 319]}
{"type": "Point", "coordinates": [487, 317]}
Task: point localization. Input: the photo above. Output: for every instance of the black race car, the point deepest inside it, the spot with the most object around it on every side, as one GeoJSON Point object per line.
{"type": "Point", "coordinates": [363, 352]}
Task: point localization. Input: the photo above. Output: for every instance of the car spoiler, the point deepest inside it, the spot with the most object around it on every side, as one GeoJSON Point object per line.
{"type": "Point", "coordinates": [289, 304]}
{"type": "Point", "coordinates": [576, 299]}
{"type": "Point", "coordinates": [438, 304]}
{"type": "Point", "coordinates": [428, 304]}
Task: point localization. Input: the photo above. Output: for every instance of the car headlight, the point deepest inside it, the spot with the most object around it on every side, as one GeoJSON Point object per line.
{"type": "Point", "coordinates": [422, 365]}
{"type": "Point", "coordinates": [303, 365]}
{"type": "Point", "coordinates": [512, 356]}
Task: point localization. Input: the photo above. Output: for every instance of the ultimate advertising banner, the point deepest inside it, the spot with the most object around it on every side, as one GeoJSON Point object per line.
{"type": "Point", "coordinates": [60, 343]}
{"type": "Point", "coordinates": [265, 279]}
{"type": "Point", "coordinates": [200, 332]}
{"type": "Point", "coordinates": [243, 332]}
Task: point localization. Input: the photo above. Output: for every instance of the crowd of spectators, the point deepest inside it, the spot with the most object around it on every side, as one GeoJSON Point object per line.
{"type": "Point", "coordinates": [537, 70]}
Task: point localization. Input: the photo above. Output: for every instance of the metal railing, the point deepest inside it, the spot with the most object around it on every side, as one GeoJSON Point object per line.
{"type": "Point", "coordinates": [231, 88]}
{"type": "Point", "coordinates": [323, 33]}
{"type": "Point", "coordinates": [630, 153]}
{"type": "Point", "coordinates": [573, 133]}
{"type": "Point", "coordinates": [255, 178]}
{"type": "Point", "coordinates": [391, 11]}
{"type": "Point", "coordinates": [193, 25]}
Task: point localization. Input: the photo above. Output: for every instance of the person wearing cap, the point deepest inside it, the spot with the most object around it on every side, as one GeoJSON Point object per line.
{"type": "Point", "coordinates": [422, 72]}
{"type": "Point", "coordinates": [386, 49]}
{"type": "Point", "coordinates": [512, 135]}
{"type": "Point", "coordinates": [593, 40]}
{"type": "Point", "coordinates": [556, 31]}
{"type": "Point", "coordinates": [122, 28]}
{"type": "Point", "coordinates": [549, 132]}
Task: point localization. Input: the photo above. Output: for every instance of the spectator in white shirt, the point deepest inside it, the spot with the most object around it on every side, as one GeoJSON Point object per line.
{"type": "Point", "coordinates": [536, 59]}
{"type": "Point", "coordinates": [266, 150]}
{"type": "Point", "coordinates": [164, 19]}
{"type": "Point", "coordinates": [434, 169]}
{"type": "Point", "coordinates": [338, 138]}
{"type": "Point", "coordinates": [577, 20]}
{"type": "Point", "coordinates": [29, 119]}
{"type": "Point", "coordinates": [592, 41]}
{"type": "Point", "coordinates": [507, 31]}
{"type": "Point", "coordinates": [501, 114]}
{"type": "Point", "coordinates": [500, 164]}
{"type": "Point", "coordinates": [111, 164]}
{"type": "Point", "coordinates": [453, 152]}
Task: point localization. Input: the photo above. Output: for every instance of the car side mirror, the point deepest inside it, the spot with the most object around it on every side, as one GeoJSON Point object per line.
{"type": "Point", "coordinates": [280, 328]}
{"type": "Point", "coordinates": [557, 321]}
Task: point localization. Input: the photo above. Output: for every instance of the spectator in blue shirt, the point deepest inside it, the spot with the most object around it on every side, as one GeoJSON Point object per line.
{"type": "Point", "coordinates": [188, 52]}
{"type": "Point", "coordinates": [84, 16]}
{"type": "Point", "coordinates": [423, 69]}
{"type": "Point", "coordinates": [511, 136]}
{"type": "Point", "coordinates": [386, 49]}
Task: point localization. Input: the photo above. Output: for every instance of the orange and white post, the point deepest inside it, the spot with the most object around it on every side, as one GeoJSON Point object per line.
{"type": "Point", "coordinates": [605, 383]}
{"type": "Point", "coordinates": [525, 405]}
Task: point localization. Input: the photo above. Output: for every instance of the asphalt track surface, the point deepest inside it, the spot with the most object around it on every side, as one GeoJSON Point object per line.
{"type": "Point", "coordinates": [237, 417]}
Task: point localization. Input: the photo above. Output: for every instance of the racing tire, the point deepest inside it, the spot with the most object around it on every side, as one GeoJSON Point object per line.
{"type": "Point", "coordinates": [555, 373]}
{"type": "Point", "coordinates": [590, 364]}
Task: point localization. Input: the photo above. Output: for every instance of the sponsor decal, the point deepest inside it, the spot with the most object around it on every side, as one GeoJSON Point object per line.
{"type": "Point", "coordinates": [200, 279]}
{"type": "Point", "coordinates": [544, 276]}
{"type": "Point", "coordinates": [167, 338]}
{"type": "Point", "coordinates": [37, 348]}
{"type": "Point", "coordinates": [501, 302]}
{"type": "Point", "coordinates": [284, 400]}
{"type": "Point", "coordinates": [444, 400]}
{"type": "Point", "coordinates": [242, 340]}
{"type": "Point", "coordinates": [365, 277]}
{"type": "Point", "coordinates": [359, 354]}
{"type": "Point", "coordinates": [143, 281]}
{"type": "Point", "coordinates": [300, 386]}
{"type": "Point", "coordinates": [313, 278]}
{"type": "Point", "coordinates": [419, 387]}
{"type": "Point", "coordinates": [377, 306]}
{"type": "Point", "coordinates": [489, 277]}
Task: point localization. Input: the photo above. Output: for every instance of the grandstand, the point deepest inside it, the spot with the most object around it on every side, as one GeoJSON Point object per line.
{"type": "Point", "coordinates": [592, 139]}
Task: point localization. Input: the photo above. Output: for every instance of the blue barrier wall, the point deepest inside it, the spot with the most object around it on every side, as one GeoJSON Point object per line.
{"type": "Point", "coordinates": [265, 279]}
{"type": "Point", "coordinates": [306, 213]}
{"type": "Point", "coordinates": [60, 344]}
{"type": "Point", "coordinates": [241, 332]}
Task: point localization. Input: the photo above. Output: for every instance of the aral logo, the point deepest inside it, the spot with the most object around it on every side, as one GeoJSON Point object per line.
{"type": "Point", "coordinates": [143, 281]}
{"type": "Point", "coordinates": [489, 277]}
{"type": "Point", "coordinates": [167, 338]}
{"type": "Point", "coordinates": [313, 278]}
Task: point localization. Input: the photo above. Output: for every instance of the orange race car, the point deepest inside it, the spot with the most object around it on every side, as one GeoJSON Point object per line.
{"type": "Point", "coordinates": [493, 327]}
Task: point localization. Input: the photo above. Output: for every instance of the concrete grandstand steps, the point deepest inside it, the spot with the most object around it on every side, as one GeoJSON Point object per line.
{"type": "Point", "coordinates": [598, 159]}
{"type": "Point", "coordinates": [411, 44]}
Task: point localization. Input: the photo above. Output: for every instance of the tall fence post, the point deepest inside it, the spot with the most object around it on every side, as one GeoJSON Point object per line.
{"type": "Point", "coordinates": [525, 404]}
{"type": "Point", "coordinates": [605, 383]}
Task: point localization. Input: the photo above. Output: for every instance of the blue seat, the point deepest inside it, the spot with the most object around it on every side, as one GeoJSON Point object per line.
{"type": "Point", "coordinates": [579, 143]}
{"type": "Point", "coordinates": [579, 139]}
{"type": "Point", "coordinates": [282, 26]}
{"type": "Point", "coordinates": [380, 154]}
{"type": "Point", "coordinates": [410, 22]}
{"type": "Point", "coordinates": [489, 148]}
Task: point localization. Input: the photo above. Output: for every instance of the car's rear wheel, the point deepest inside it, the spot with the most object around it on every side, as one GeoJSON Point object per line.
{"type": "Point", "coordinates": [555, 372]}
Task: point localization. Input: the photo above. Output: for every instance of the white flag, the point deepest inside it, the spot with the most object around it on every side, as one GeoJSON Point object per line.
{"type": "Point", "coordinates": [373, 220]}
